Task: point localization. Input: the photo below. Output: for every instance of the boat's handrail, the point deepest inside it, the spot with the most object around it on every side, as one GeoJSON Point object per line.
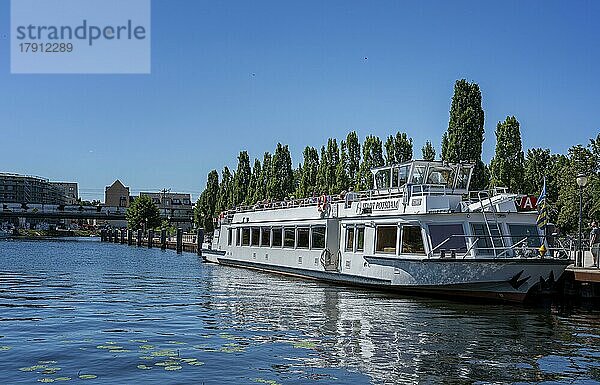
{"type": "Point", "coordinates": [520, 245]}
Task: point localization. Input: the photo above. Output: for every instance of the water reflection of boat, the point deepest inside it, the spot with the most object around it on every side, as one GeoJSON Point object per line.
{"type": "Point", "coordinates": [420, 230]}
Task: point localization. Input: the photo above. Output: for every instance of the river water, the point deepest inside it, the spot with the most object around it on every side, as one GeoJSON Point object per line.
{"type": "Point", "coordinates": [81, 311]}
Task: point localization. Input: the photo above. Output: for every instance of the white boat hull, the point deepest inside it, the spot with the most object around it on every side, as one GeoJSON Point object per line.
{"type": "Point", "coordinates": [501, 279]}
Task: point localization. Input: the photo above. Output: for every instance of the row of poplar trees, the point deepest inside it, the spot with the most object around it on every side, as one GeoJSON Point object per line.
{"type": "Point", "coordinates": [346, 165]}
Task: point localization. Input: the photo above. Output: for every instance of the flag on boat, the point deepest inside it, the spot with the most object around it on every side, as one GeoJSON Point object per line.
{"type": "Point", "coordinates": [542, 219]}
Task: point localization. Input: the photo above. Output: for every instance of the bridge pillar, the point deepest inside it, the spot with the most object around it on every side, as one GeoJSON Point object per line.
{"type": "Point", "coordinates": [150, 238]}
{"type": "Point", "coordinates": [163, 239]}
{"type": "Point", "coordinates": [199, 240]}
{"type": "Point", "coordinates": [122, 236]}
{"type": "Point", "coordinates": [179, 240]}
{"type": "Point", "coordinates": [139, 237]}
{"type": "Point", "coordinates": [129, 237]}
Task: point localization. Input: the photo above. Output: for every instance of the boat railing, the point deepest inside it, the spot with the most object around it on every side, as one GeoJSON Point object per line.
{"type": "Point", "coordinates": [520, 247]}
{"type": "Point", "coordinates": [404, 192]}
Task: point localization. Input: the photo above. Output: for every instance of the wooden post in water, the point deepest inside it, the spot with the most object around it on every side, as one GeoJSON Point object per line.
{"type": "Point", "coordinates": [123, 236]}
{"type": "Point", "coordinates": [179, 240]}
{"type": "Point", "coordinates": [139, 238]}
{"type": "Point", "coordinates": [199, 240]}
{"type": "Point", "coordinates": [103, 235]}
{"type": "Point", "coordinates": [163, 239]}
{"type": "Point", "coordinates": [150, 238]}
{"type": "Point", "coordinates": [110, 236]}
{"type": "Point", "coordinates": [116, 236]}
{"type": "Point", "coordinates": [129, 237]}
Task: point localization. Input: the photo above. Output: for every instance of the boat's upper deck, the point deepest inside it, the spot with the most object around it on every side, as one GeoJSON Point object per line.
{"type": "Point", "coordinates": [416, 187]}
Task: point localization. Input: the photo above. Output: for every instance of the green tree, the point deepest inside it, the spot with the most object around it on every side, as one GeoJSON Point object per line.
{"type": "Point", "coordinates": [342, 179]}
{"type": "Point", "coordinates": [535, 168]}
{"type": "Point", "coordinates": [281, 182]}
{"type": "Point", "coordinates": [224, 199]}
{"type": "Point", "coordinates": [308, 180]}
{"type": "Point", "coordinates": [372, 157]}
{"type": "Point", "coordinates": [506, 167]}
{"type": "Point", "coordinates": [333, 158]}
{"type": "Point", "coordinates": [142, 214]}
{"type": "Point", "coordinates": [242, 179]}
{"type": "Point", "coordinates": [254, 181]}
{"type": "Point", "coordinates": [463, 140]}
{"type": "Point", "coordinates": [322, 185]}
{"type": "Point", "coordinates": [206, 206]}
{"type": "Point", "coordinates": [260, 192]}
{"type": "Point", "coordinates": [398, 149]}
{"type": "Point", "coordinates": [428, 151]}
{"type": "Point", "coordinates": [353, 158]}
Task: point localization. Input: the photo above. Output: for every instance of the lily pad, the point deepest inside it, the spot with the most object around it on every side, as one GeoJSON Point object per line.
{"type": "Point", "coordinates": [164, 353]}
{"type": "Point", "coordinates": [268, 382]}
{"type": "Point", "coordinates": [144, 367]}
{"type": "Point", "coordinates": [4, 348]}
{"type": "Point", "coordinates": [196, 363]}
{"type": "Point", "coordinates": [119, 351]}
{"type": "Point", "coordinates": [46, 379]}
{"type": "Point", "coordinates": [32, 368]}
{"type": "Point", "coordinates": [304, 344]}
{"type": "Point", "coordinates": [88, 376]}
{"type": "Point", "coordinates": [139, 341]}
{"type": "Point", "coordinates": [47, 362]}
{"type": "Point", "coordinates": [147, 347]}
{"type": "Point", "coordinates": [62, 379]}
{"type": "Point", "coordinates": [51, 370]}
{"type": "Point", "coordinates": [171, 368]}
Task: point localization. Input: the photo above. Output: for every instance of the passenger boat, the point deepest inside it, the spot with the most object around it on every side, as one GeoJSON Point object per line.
{"type": "Point", "coordinates": [420, 230]}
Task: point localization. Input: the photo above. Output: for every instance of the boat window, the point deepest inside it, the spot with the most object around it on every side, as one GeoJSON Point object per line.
{"type": "Point", "coordinates": [229, 233]}
{"type": "Point", "coordinates": [412, 240]}
{"type": "Point", "coordinates": [403, 175]}
{"type": "Point", "coordinates": [289, 239]}
{"type": "Point", "coordinates": [349, 239]}
{"type": "Point", "coordinates": [453, 232]}
{"type": "Point", "coordinates": [386, 239]}
{"type": "Point", "coordinates": [303, 236]}
{"type": "Point", "coordinates": [318, 237]}
{"type": "Point", "coordinates": [418, 175]}
{"type": "Point", "coordinates": [245, 236]}
{"type": "Point", "coordinates": [238, 236]}
{"type": "Point", "coordinates": [265, 240]}
{"type": "Point", "coordinates": [462, 181]}
{"type": "Point", "coordinates": [382, 179]}
{"type": "Point", "coordinates": [484, 244]}
{"type": "Point", "coordinates": [395, 177]}
{"type": "Point", "coordinates": [255, 236]}
{"type": "Point", "coordinates": [277, 236]}
{"type": "Point", "coordinates": [360, 239]}
{"type": "Point", "coordinates": [520, 232]}
{"type": "Point", "coordinates": [441, 175]}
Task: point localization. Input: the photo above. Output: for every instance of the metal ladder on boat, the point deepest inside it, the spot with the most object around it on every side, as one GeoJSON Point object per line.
{"type": "Point", "coordinates": [493, 227]}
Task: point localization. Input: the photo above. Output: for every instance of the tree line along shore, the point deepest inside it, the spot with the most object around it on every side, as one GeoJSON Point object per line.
{"type": "Point", "coordinates": [345, 165]}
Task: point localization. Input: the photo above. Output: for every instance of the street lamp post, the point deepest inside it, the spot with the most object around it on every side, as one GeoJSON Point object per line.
{"type": "Point", "coordinates": [581, 182]}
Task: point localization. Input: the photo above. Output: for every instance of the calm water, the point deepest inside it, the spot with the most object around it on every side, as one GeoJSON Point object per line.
{"type": "Point", "coordinates": [114, 314]}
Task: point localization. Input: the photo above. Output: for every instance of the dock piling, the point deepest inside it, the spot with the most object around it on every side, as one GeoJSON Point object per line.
{"type": "Point", "coordinates": [179, 240]}
{"type": "Point", "coordinates": [103, 235]}
{"type": "Point", "coordinates": [199, 240]}
{"type": "Point", "coordinates": [163, 239]}
{"type": "Point", "coordinates": [139, 237]}
{"type": "Point", "coordinates": [150, 238]}
{"type": "Point", "coordinates": [129, 237]}
{"type": "Point", "coordinates": [122, 236]}
{"type": "Point", "coordinates": [116, 236]}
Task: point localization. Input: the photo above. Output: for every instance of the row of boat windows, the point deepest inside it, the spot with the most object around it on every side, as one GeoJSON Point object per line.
{"type": "Point", "coordinates": [389, 239]}
{"type": "Point", "coordinates": [310, 237]}
{"type": "Point", "coordinates": [408, 239]}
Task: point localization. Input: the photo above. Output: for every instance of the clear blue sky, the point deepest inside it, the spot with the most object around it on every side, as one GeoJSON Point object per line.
{"type": "Point", "coordinates": [537, 60]}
